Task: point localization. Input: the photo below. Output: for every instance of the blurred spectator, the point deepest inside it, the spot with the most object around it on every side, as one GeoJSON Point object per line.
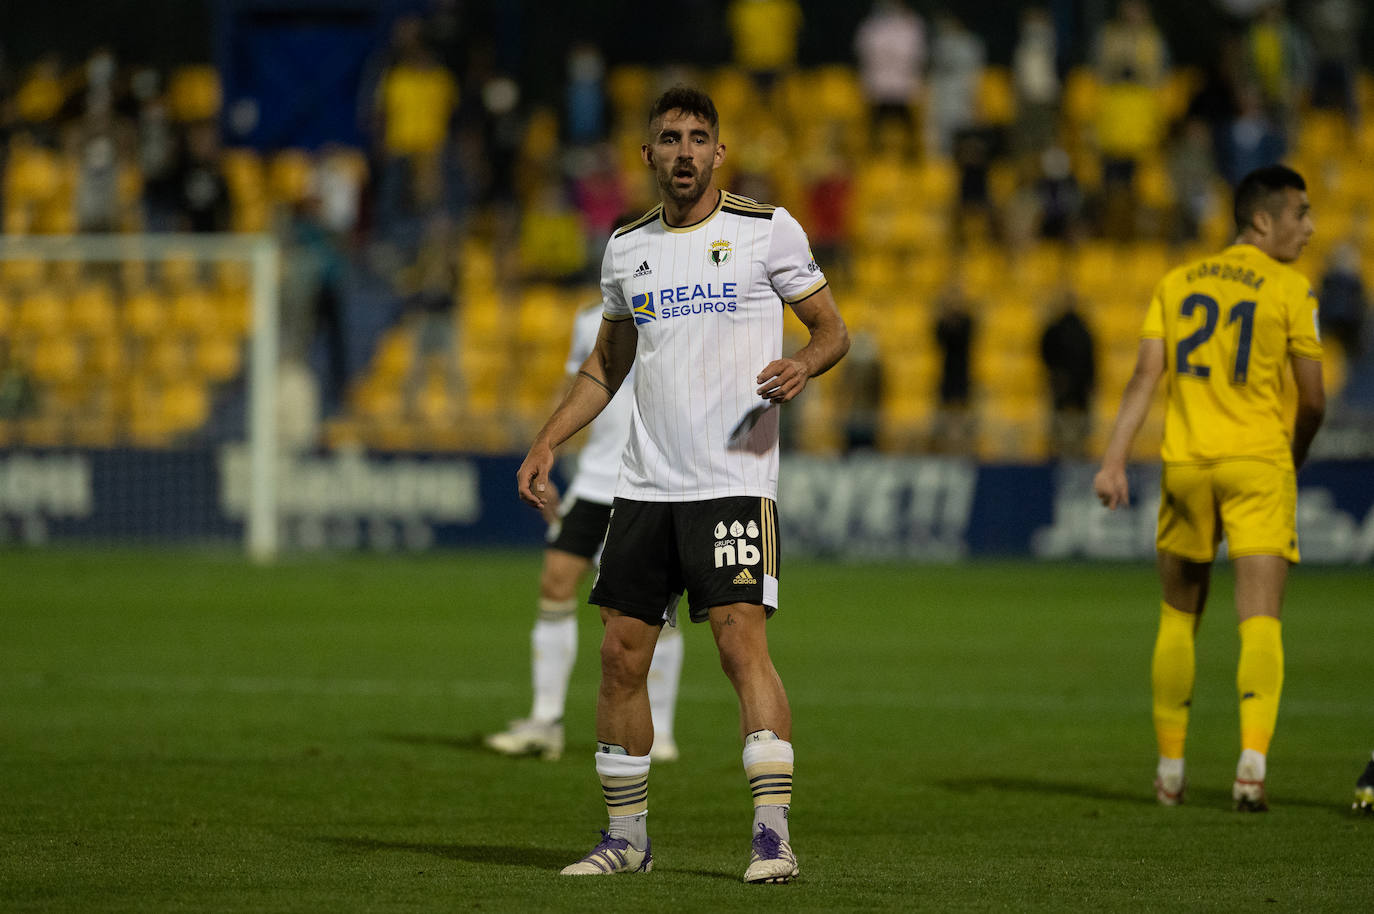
{"type": "Point", "coordinates": [957, 57]}
{"type": "Point", "coordinates": [1252, 139]}
{"type": "Point", "coordinates": [974, 217]}
{"type": "Point", "coordinates": [765, 34]}
{"type": "Point", "coordinates": [1132, 62]}
{"type": "Point", "coordinates": [861, 393]}
{"type": "Point", "coordinates": [430, 285]}
{"type": "Point", "coordinates": [1279, 63]}
{"type": "Point", "coordinates": [200, 192]}
{"type": "Point", "coordinates": [102, 145]}
{"type": "Point", "coordinates": [312, 296]}
{"type": "Point", "coordinates": [1035, 75]}
{"type": "Point", "coordinates": [585, 108]}
{"type": "Point", "coordinates": [952, 430]}
{"type": "Point", "coordinates": [1215, 100]}
{"type": "Point", "coordinates": [1334, 27]}
{"type": "Point", "coordinates": [829, 196]}
{"type": "Point", "coordinates": [39, 99]}
{"type": "Point", "coordinates": [599, 194]}
{"type": "Point", "coordinates": [1066, 347]}
{"type": "Point", "coordinates": [552, 242]}
{"type": "Point", "coordinates": [1191, 161]}
{"type": "Point", "coordinates": [415, 102]}
{"type": "Point", "coordinates": [1130, 47]}
{"type": "Point", "coordinates": [890, 44]}
{"type": "Point", "coordinates": [1342, 298]}
{"type": "Point", "coordinates": [18, 392]}
{"type": "Point", "coordinates": [157, 150]}
{"type": "Point", "coordinates": [1048, 202]}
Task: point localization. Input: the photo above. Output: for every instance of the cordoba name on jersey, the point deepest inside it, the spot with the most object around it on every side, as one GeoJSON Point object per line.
{"type": "Point", "coordinates": [707, 302]}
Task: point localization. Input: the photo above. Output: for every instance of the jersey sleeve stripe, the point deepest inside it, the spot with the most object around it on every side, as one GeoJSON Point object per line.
{"type": "Point", "coordinates": [820, 284]}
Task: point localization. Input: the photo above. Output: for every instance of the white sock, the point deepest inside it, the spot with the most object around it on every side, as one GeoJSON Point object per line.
{"type": "Point", "coordinates": [1251, 765]}
{"type": "Point", "coordinates": [553, 648]}
{"type": "Point", "coordinates": [1169, 768]}
{"type": "Point", "coordinates": [665, 672]}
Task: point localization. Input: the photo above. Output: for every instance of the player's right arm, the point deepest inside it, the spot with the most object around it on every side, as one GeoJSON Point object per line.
{"type": "Point", "coordinates": [1110, 482]}
{"type": "Point", "coordinates": [1307, 377]}
{"type": "Point", "coordinates": [595, 384]}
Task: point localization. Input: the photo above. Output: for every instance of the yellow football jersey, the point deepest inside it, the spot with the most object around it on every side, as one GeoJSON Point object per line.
{"type": "Point", "coordinates": [1229, 323]}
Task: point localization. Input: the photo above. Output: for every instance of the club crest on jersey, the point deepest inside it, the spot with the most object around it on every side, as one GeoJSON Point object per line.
{"type": "Point", "coordinates": [719, 252]}
{"type": "Point", "coordinates": [643, 305]}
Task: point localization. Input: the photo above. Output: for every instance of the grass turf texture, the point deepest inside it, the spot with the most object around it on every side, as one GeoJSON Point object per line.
{"type": "Point", "coordinates": [186, 732]}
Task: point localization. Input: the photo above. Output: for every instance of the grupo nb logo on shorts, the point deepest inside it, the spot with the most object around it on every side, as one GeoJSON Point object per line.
{"type": "Point", "coordinates": [733, 546]}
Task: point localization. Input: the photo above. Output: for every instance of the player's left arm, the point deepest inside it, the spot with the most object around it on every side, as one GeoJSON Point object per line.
{"type": "Point", "coordinates": [1307, 375]}
{"type": "Point", "coordinates": [783, 379]}
{"type": "Point", "coordinates": [1110, 483]}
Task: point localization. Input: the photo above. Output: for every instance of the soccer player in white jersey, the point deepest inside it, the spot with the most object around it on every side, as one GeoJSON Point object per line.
{"type": "Point", "coordinates": [694, 292]}
{"type": "Point", "coordinates": [577, 526]}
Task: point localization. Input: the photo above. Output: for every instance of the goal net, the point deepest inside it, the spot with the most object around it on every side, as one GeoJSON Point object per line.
{"type": "Point", "coordinates": [138, 376]}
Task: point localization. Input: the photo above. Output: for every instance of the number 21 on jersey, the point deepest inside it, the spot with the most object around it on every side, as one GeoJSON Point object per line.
{"type": "Point", "coordinates": [1241, 314]}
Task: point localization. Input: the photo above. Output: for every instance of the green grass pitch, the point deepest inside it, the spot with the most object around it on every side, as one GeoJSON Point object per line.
{"type": "Point", "coordinates": [186, 732]}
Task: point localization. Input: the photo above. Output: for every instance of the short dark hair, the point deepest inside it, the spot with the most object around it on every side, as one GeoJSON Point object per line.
{"type": "Point", "coordinates": [689, 101]}
{"type": "Point", "coordinates": [1258, 187]}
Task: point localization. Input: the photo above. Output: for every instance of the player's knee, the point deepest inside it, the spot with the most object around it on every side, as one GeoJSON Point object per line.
{"type": "Point", "coordinates": [557, 584]}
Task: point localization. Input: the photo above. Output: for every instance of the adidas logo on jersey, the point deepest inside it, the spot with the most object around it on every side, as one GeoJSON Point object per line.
{"type": "Point", "coordinates": [644, 269]}
{"type": "Point", "coordinates": [744, 577]}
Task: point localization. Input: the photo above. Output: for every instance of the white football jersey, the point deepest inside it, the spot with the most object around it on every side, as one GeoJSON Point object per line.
{"type": "Point", "coordinates": [707, 300]}
{"type": "Point", "coordinates": [598, 463]}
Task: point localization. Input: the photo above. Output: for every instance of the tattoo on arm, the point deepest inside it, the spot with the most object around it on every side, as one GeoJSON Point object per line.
{"type": "Point", "coordinates": [598, 382]}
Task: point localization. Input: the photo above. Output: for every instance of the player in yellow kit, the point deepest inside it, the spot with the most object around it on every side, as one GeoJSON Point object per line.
{"type": "Point", "coordinates": [1226, 331]}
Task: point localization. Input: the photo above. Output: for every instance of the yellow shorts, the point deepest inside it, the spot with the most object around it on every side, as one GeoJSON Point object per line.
{"type": "Point", "coordinates": [1255, 503]}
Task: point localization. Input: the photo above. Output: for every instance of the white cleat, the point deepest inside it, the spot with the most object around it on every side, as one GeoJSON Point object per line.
{"type": "Point", "coordinates": [1170, 782]}
{"type": "Point", "coordinates": [529, 737]}
{"type": "Point", "coordinates": [611, 856]}
{"type": "Point", "coordinates": [770, 859]}
{"type": "Point", "coordinates": [1248, 790]}
{"type": "Point", "coordinates": [664, 749]}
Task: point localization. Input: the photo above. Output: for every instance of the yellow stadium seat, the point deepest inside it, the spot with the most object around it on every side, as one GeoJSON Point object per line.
{"type": "Point", "coordinates": [996, 96]}
{"type": "Point", "coordinates": [378, 399]}
{"type": "Point", "coordinates": [1080, 97]}
{"type": "Point", "coordinates": [21, 272]}
{"type": "Point", "coordinates": [218, 357]}
{"type": "Point", "coordinates": [186, 405]}
{"type": "Point", "coordinates": [543, 321]}
{"type": "Point", "coordinates": [93, 309]}
{"type": "Point", "coordinates": [193, 310]}
{"type": "Point", "coordinates": [290, 176]}
{"type": "Point", "coordinates": [144, 312]}
{"type": "Point", "coordinates": [41, 312]}
{"type": "Point", "coordinates": [168, 357]}
{"type": "Point", "coordinates": [56, 360]}
{"type": "Point", "coordinates": [395, 355]}
{"type": "Point", "coordinates": [194, 93]}
{"type": "Point", "coordinates": [106, 357]}
{"type": "Point", "coordinates": [837, 94]}
{"type": "Point", "coordinates": [628, 87]}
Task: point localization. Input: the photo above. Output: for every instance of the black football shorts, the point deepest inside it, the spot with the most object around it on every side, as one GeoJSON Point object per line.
{"type": "Point", "coordinates": [581, 528]}
{"type": "Point", "coordinates": [719, 551]}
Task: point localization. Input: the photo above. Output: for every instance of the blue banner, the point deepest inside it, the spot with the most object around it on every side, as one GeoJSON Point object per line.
{"type": "Point", "coordinates": [863, 507]}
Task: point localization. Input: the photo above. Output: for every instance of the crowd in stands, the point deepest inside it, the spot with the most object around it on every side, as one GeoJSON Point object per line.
{"type": "Point", "coordinates": [993, 230]}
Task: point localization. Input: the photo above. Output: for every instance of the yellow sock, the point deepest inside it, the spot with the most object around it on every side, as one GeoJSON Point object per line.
{"type": "Point", "coordinates": [1259, 680]}
{"type": "Point", "coordinates": [1171, 678]}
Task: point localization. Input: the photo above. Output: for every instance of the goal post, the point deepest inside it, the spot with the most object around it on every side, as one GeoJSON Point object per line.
{"type": "Point", "coordinates": [45, 318]}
